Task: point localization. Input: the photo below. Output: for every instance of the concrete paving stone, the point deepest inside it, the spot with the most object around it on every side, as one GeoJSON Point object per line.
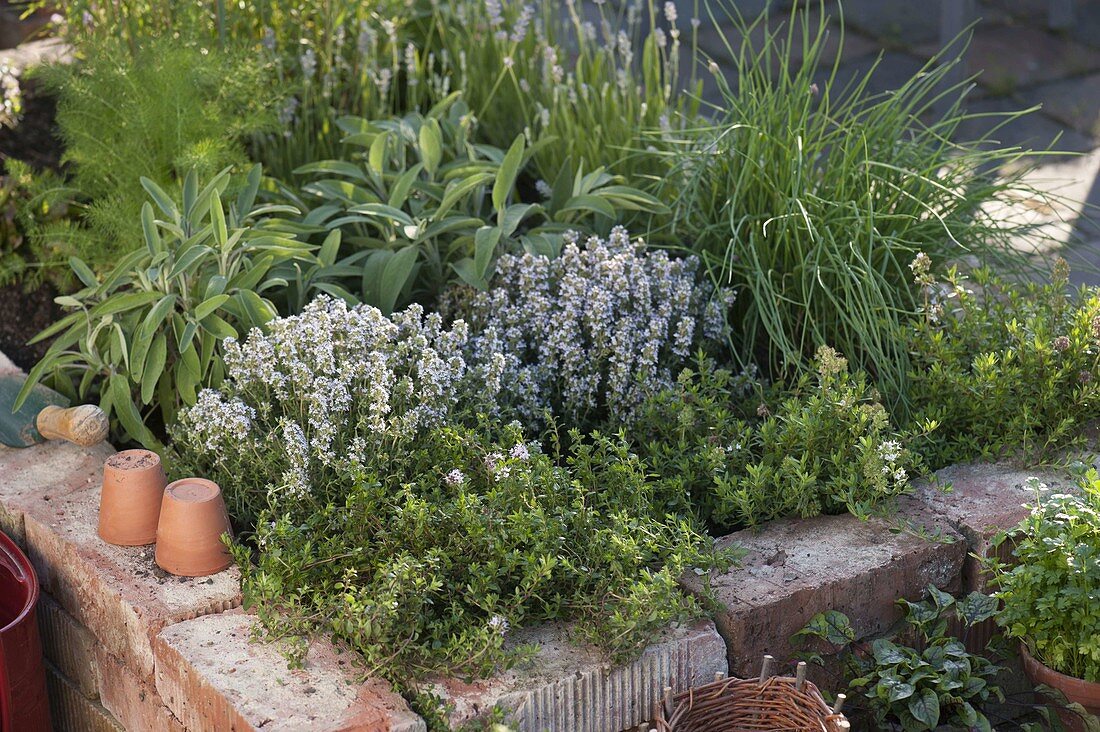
{"type": "Point", "coordinates": [1075, 102]}
{"type": "Point", "coordinates": [33, 53]}
{"type": "Point", "coordinates": [1034, 131]}
{"type": "Point", "coordinates": [1011, 57]}
{"type": "Point", "coordinates": [888, 73]}
{"type": "Point", "coordinates": [1086, 23]}
{"type": "Point", "coordinates": [69, 646]}
{"type": "Point", "coordinates": [568, 688]}
{"type": "Point", "coordinates": [898, 21]}
{"type": "Point", "coordinates": [71, 711]}
{"type": "Point", "coordinates": [118, 593]}
{"type": "Point", "coordinates": [132, 701]}
{"type": "Point", "coordinates": [214, 678]}
{"type": "Point", "coordinates": [797, 568]}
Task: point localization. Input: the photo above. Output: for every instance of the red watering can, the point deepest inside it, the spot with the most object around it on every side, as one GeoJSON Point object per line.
{"type": "Point", "coordinates": [23, 703]}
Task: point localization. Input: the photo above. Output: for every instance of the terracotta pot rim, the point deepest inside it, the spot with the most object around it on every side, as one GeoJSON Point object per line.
{"type": "Point", "coordinates": [1058, 675]}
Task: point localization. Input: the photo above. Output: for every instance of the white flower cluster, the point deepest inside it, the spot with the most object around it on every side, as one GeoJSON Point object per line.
{"type": "Point", "coordinates": [11, 95]}
{"type": "Point", "coordinates": [331, 382]}
{"type": "Point", "coordinates": [599, 328]}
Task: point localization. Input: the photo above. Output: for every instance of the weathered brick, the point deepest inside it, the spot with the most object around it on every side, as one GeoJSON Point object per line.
{"type": "Point", "coordinates": [31, 477]}
{"type": "Point", "coordinates": [118, 593]}
{"type": "Point", "coordinates": [69, 646]}
{"type": "Point", "coordinates": [795, 569]}
{"type": "Point", "coordinates": [71, 711]}
{"type": "Point", "coordinates": [132, 701]}
{"type": "Point", "coordinates": [213, 678]}
{"type": "Point", "coordinates": [983, 500]}
{"type": "Point", "coordinates": [568, 687]}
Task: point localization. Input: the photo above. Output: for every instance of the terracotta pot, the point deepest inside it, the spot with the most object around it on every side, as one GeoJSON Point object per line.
{"type": "Point", "coordinates": [192, 521]}
{"type": "Point", "coordinates": [1085, 693]}
{"type": "Point", "coordinates": [129, 505]}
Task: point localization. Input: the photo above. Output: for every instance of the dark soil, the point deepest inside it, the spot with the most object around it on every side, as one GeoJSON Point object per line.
{"type": "Point", "coordinates": [22, 316]}
{"type": "Point", "coordinates": [33, 140]}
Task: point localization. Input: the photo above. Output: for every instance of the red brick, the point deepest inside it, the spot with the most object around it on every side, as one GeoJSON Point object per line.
{"type": "Point", "coordinates": [134, 703]}
{"type": "Point", "coordinates": [118, 593]}
{"type": "Point", "coordinates": [797, 568]}
{"type": "Point", "coordinates": [71, 711]}
{"type": "Point", "coordinates": [69, 646]}
{"type": "Point", "coordinates": [213, 678]}
{"type": "Point", "coordinates": [983, 500]}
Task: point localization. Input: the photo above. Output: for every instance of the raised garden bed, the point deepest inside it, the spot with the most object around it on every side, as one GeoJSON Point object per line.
{"type": "Point", "coordinates": [133, 648]}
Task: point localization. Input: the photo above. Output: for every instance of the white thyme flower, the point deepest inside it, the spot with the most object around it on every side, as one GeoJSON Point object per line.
{"type": "Point", "coordinates": [455, 477]}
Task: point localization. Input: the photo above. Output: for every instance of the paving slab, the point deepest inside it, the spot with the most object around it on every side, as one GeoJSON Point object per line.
{"type": "Point", "coordinates": [1010, 58]}
{"type": "Point", "coordinates": [213, 678]}
{"type": "Point", "coordinates": [118, 593]}
{"type": "Point", "coordinates": [568, 687]}
{"type": "Point", "coordinates": [1033, 131]}
{"type": "Point", "coordinates": [797, 568]}
{"type": "Point", "coordinates": [1075, 102]}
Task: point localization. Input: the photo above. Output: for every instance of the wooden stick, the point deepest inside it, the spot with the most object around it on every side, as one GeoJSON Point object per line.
{"type": "Point", "coordinates": [800, 676]}
{"type": "Point", "coordinates": [718, 676]}
{"type": "Point", "coordinates": [668, 700]}
{"type": "Point", "coordinates": [839, 703]}
{"type": "Point", "coordinates": [767, 669]}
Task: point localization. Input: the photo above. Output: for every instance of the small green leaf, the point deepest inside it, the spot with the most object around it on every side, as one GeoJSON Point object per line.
{"type": "Point", "coordinates": [485, 244]}
{"type": "Point", "coordinates": [330, 248]}
{"type": "Point", "coordinates": [395, 276]}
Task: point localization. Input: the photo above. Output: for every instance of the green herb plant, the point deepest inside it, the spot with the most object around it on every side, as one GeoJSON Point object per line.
{"type": "Point", "coordinates": [144, 337]}
{"type": "Point", "coordinates": [425, 204]}
{"type": "Point", "coordinates": [159, 113]}
{"type": "Point", "coordinates": [811, 194]}
{"type": "Point", "coordinates": [1007, 369]}
{"type": "Point", "coordinates": [734, 454]}
{"type": "Point", "coordinates": [1049, 587]}
{"type": "Point", "coordinates": [924, 677]}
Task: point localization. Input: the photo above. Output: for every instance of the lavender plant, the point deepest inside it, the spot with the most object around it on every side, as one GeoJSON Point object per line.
{"type": "Point", "coordinates": [588, 335]}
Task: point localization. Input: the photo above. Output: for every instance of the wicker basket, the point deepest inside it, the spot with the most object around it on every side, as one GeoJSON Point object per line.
{"type": "Point", "coordinates": [773, 703]}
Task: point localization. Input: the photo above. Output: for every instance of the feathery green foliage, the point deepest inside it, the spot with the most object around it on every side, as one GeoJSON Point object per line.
{"type": "Point", "coordinates": [159, 113]}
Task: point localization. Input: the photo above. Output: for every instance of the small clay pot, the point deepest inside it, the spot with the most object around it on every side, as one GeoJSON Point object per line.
{"type": "Point", "coordinates": [192, 521]}
{"type": "Point", "coordinates": [1085, 693]}
{"type": "Point", "coordinates": [129, 505]}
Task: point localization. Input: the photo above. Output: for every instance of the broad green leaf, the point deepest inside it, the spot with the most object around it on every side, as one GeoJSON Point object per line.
{"type": "Point", "coordinates": [122, 303]}
{"type": "Point", "coordinates": [163, 200]}
{"type": "Point", "coordinates": [380, 210]}
{"type": "Point", "coordinates": [485, 244]}
{"type": "Point", "coordinates": [149, 228]}
{"type": "Point", "coordinates": [457, 189]}
{"type": "Point", "coordinates": [431, 145]}
{"type": "Point", "coordinates": [217, 217]}
{"type": "Point", "coordinates": [400, 191]}
{"type": "Point", "coordinates": [925, 708]}
{"type": "Point", "coordinates": [127, 412]}
{"type": "Point", "coordinates": [377, 155]}
{"type": "Point", "coordinates": [506, 176]}
{"type": "Point", "coordinates": [217, 327]}
{"type": "Point", "coordinates": [513, 216]}
{"type": "Point", "coordinates": [83, 271]}
{"type": "Point", "coordinates": [467, 272]}
{"type": "Point", "coordinates": [334, 167]}
{"type": "Point", "coordinates": [588, 204]}
{"type": "Point", "coordinates": [210, 305]}
{"type": "Point", "coordinates": [188, 259]}
{"type": "Point", "coordinates": [330, 248]}
{"type": "Point", "coordinates": [246, 199]}
{"type": "Point", "coordinates": [395, 276]}
{"type": "Point", "coordinates": [187, 338]}
{"type": "Point", "coordinates": [154, 367]}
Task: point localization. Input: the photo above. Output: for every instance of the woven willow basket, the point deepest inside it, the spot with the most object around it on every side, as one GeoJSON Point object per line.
{"type": "Point", "coordinates": [772, 703]}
